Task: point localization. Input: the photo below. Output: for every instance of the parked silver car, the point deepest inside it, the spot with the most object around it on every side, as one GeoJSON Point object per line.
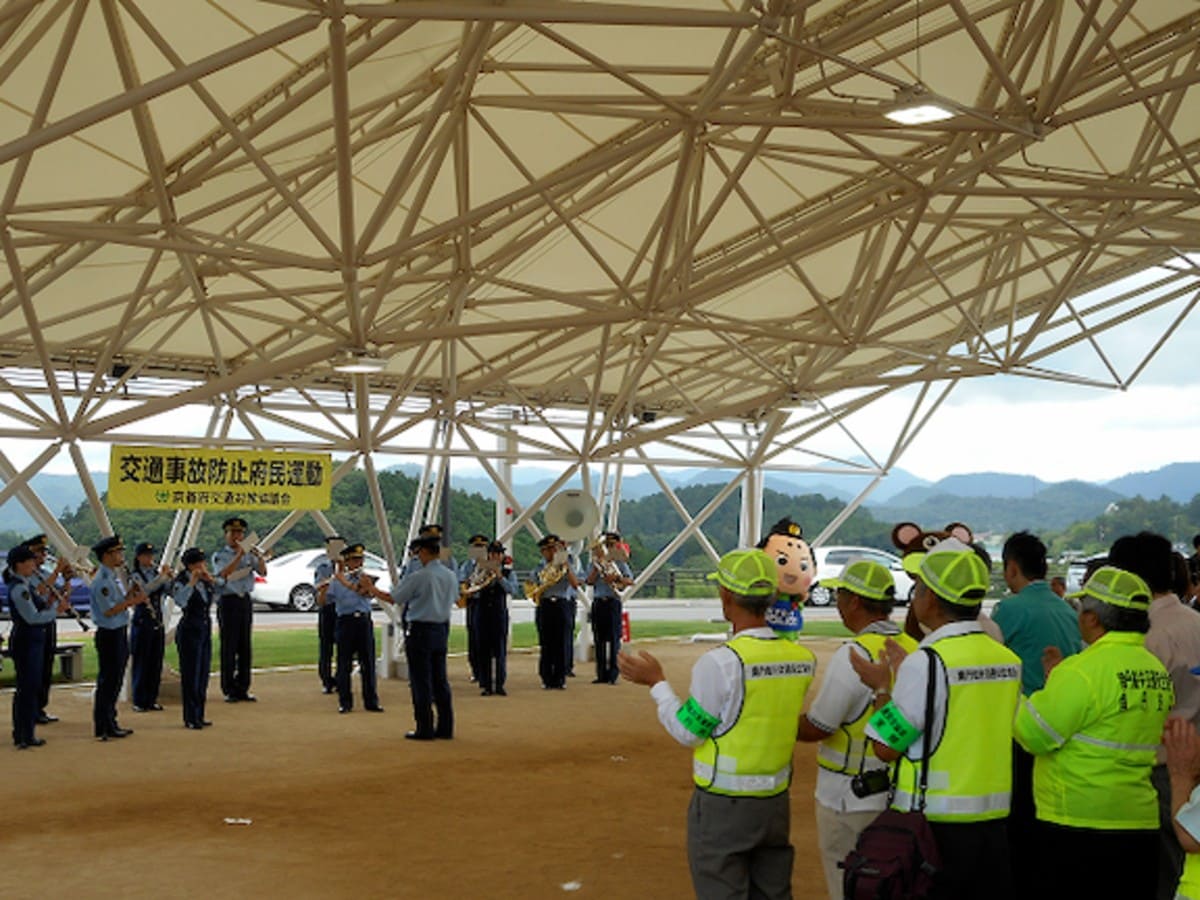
{"type": "Point", "coordinates": [289, 579]}
{"type": "Point", "coordinates": [831, 561]}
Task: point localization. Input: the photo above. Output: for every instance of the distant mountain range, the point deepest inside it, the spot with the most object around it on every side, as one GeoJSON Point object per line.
{"type": "Point", "coordinates": [986, 500]}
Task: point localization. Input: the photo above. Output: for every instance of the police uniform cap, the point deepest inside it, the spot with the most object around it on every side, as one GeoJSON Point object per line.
{"type": "Point", "coordinates": [495, 547]}
{"type": "Point", "coordinates": [104, 545]}
{"type": "Point", "coordinates": [234, 522]}
{"type": "Point", "coordinates": [144, 547]}
{"type": "Point", "coordinates": [193, 555]}
{"type": "Point", "coordinates": [430, 530]}
{"type": "Point", "coordinates": [330, 538]}
{"type": "Point", "coordinates": [20, 554]}
{"type": "Point", "coordinates": [353, 551]}
{"type": "Point", "coordinates": [478, 539]}
{"type": "Point", "coordinates": [425, 541]}
{"type": "Point", "coordinates": [548, 540]}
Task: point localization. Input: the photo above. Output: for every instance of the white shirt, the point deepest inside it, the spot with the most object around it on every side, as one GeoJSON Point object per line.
{"type": "Point", "coordinates": [842, 698]}
{"type": "Point", "coordinates": [1174, 637]}
{"type": "Point", "coordinates": [716, 686]}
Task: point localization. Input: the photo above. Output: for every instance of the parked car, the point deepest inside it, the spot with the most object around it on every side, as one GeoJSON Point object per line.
{"type": "Point", "coordinates": [1077, 568]}
{"type": "Point", "coordinates": [831, 561]}
{"type": "Point", "coordinates": [289, 579]}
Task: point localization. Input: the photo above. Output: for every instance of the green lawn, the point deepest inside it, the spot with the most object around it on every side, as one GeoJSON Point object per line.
{"type": "Point", "coordinates": [298, 647]}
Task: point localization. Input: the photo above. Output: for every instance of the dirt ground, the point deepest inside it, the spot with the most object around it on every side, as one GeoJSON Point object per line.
{"type": "Point", "coordinates": [540, 794]}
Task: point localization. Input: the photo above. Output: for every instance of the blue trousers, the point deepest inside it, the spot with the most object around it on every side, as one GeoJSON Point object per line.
{"type": "Point", "coordinates": [112, 647]}
{"type": "Point", "coordinates": [193, 639]}
{"type": "Point", "coordinates": [27, 643]}
{"type": "Point", "coordinates": [606, 630]}
{"type": "Point", "coordinates": [356, 637]}
{"type": "Point", "coordinates": [146, 646]}
{"type": "Point", "coordinates": [326, 640]}
{"type": "Point", "coordinates": [425, 649]}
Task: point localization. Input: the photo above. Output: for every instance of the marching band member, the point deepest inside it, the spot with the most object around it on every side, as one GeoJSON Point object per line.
{"type": "Point", "coordinates": [326, 615]}
{"type": "Point", "coordinates": [31, 618]}
{"type": "Point", "coordinates": [477, 552]}
{"type": "Point", "coordinates": [551, 615]}
{"type": "Point", "coordinates": [194, 591]}
{"type": "Point", "coordinates": [492, 622]}
{"type": "Point", "coordinates": [43, 580]}
{"type": "Point", "coordinates": [350, 594]}
{"type": "Point", "coordinates": [111, 602]}
{"type": "Point", "coordinates": [235, 609]}
{"type": "Point", "coordinates": [146, 633]}
{"type": "Point", "coordinates": [607, 577]}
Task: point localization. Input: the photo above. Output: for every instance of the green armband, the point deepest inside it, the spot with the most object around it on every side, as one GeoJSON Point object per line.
{"type": "Point", "coordinates": [696, 719]}
{"type": "Point", "coordinates": [894, 730]}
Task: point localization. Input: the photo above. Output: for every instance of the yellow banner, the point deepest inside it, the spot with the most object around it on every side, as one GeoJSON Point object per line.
{"type": "Point", "coordinates": [173, 478]}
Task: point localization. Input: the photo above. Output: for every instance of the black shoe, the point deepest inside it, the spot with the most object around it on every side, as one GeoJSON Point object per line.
{"type": "Point", "coordinates": [376, 708]}
{"type": "Point", "coordinates": [570, 674]}
{"type": "Point", "coordinates": [102, 737]}
{"type": "Point", "coordinates": [486, 692]}
{"type": "Point", "coordinates": [328, 689]}
{"type": "Point", "coordinates": [344, 709]}
{"type": "Point", "coordinates": [443, 737]}
{"type": "Point", "coordinates": [248, 698]}
{"type": "Point", "coordinates": [195, 726]}
{"type": "Point", "coordinates": [156, 707]}
{"type": "Point", "coordinates": [229, 698]}
{"type": "Point", "coordinates": [206, 723]}
{"type": "Point", "coordinates": [599, 680]}
{"type": "Point", "coordinates": [140, 708]}
{"type": "Point", "coordinates": [32, 742]}
{"type": "Point", "coordinates": [45, 719]}
{"type": "Point", "coordinates": [501, 692]}
{"type": "Point", "coordinates": [417, 736]}
{"type": "Point", "coordinates": [119, 732]}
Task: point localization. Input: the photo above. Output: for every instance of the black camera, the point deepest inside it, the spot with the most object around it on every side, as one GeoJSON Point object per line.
{"type": "Point", "coordinates": [873, 781]}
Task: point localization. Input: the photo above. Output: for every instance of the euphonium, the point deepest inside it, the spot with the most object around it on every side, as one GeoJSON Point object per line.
{"type": "Point", "coordinates": [608, 568]}
{"type": "Point", "coordinates": [549, 576]}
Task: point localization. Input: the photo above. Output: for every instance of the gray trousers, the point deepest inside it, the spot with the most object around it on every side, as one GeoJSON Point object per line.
{"type": "Point", "coordinates": [738, 847]}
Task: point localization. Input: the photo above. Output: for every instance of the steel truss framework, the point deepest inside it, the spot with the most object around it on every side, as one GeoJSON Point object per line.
{"type": "Point", "coordinates": [593, 233]}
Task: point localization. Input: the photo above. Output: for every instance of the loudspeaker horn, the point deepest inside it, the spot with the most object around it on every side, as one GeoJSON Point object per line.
{"type": "Point", "coordinates": [572, 515]}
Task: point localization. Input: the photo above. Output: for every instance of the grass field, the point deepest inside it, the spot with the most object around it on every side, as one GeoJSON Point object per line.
{"type": "Point", "coordinates": [298, 647]}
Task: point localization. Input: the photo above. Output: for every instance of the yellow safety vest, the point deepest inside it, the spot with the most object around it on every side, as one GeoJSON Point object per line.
{"type": "Point", "coordinates": [970, 768]}
{"type": "Point", "coordinates": [1189, 884]}
{"type": "Point", "coordinates": [1093, 730]}
{"type": "Point", "coordinates": [842, 751]}
{"type": "Point", "coordinates": [754, 757]}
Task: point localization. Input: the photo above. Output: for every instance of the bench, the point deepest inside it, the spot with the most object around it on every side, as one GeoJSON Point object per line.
{"type": "Point", "coordinates": [70, 659]}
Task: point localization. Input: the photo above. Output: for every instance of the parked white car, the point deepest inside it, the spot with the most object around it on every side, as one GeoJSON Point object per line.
{"type": "Point", "coordinates": [289, 579]}
{"type": "Point", "coordinates": [831, 561]}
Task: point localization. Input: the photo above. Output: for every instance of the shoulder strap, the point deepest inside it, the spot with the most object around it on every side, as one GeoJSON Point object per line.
{"type": "Point", "coordinates": [927, 737]}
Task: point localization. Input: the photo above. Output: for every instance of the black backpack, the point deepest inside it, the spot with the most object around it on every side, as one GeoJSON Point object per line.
{"type": "Point", "coordinates": [896, 856]}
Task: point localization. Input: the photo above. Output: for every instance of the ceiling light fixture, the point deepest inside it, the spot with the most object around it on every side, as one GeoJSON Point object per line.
{"type": "Point", "coordinates": [360, 362]}
{"type": "Point", "coordinates": [915, 106]}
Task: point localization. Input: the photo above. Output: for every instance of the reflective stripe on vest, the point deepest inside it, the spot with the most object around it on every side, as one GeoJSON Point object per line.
{"type": "Point", "coordinates": [754, 756]}
{"type": "Point", "coordinates": [970, 769]}
{"type": "Point", "coordinates": [843, 750]}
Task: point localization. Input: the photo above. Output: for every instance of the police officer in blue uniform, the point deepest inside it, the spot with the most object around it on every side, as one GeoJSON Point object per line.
{"type": "Point", "coordinates": [235, 567]}
{"type": "Point", "coordinates": [350, 594]}
{"type": "Point", "coordinates": [551, 617]}
{"type": "Point", "coordinates": [194, 590]}
{"type": "Point", "coordinates": [427, 595]}
{"type": "Point", "coordinates": [146, 633]}
{"type": "Point", "coordinates": [431, 530]}
{"type": "Point", "coordinates": [112, 598]}
{"type": "Point", "coordinates": [492, 622]}
{"type": "Point", "coordinates": [327, 614]}
{"type": "Point", "coordinates": [31, 618]}
{"type": "Point", "coordinates": [608, 579]}
{"type": "Point", "coordinates": [477, 550]}
{"type": "Point", "coordinates": [47, 582]}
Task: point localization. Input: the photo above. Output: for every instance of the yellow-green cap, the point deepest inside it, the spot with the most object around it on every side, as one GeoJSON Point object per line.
{"type": "Point", "coordinates": [866, 578]}
{"type": "Point", "coordinates": [952, 570]}
{"type": "Point", "coordinates": [751, 573]}
{"type": "Point", "coordinates": [1116, 587]}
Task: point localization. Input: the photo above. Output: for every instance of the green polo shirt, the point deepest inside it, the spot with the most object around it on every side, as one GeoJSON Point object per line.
{"type": "Point", "coordinates": [1033, 619]}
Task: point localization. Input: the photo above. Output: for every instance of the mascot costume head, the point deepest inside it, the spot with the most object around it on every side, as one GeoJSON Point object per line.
{"type": "Point", "coordinates": [908, 537]}
{"type": "Point", "coordinates": [795, 571]}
